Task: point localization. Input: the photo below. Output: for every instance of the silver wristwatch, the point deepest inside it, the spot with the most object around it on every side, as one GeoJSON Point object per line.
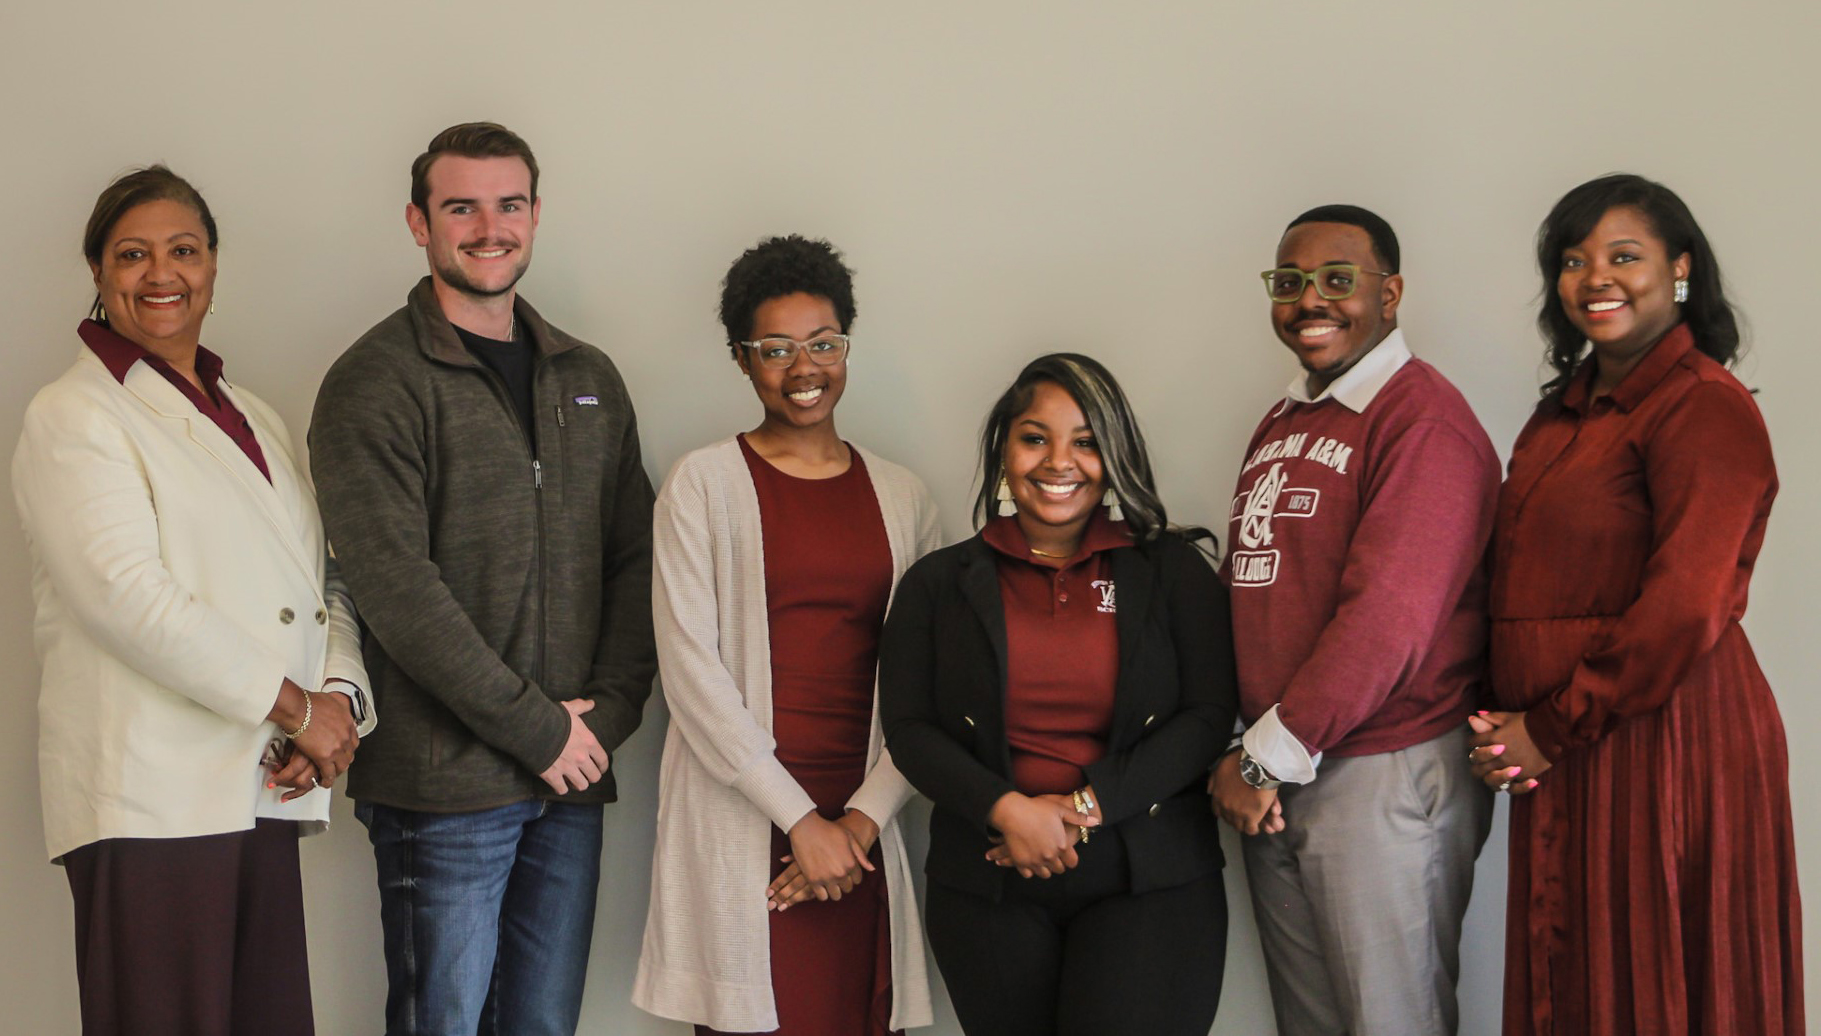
{"type": "Point", "coordinates": [1254, 773]}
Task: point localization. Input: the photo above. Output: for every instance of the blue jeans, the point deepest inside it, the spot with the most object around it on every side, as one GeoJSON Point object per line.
{"type": "Point", "coordinates": [488, 916]}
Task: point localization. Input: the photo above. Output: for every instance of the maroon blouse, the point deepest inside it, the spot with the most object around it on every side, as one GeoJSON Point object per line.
{"type": "Point", "coordinates": [1062, 653]}
{"type": "Point", "coordinates": [118, 354]}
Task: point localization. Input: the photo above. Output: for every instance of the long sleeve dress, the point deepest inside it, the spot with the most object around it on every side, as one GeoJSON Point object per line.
{"type": "Point", "coordinates": [1653, 877]}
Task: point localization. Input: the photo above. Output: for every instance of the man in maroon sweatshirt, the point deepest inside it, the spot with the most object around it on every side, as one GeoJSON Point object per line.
{"type": "Point", "coordinates": [1363, 510]}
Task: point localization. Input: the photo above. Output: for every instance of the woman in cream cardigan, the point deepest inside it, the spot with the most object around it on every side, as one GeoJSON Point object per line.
{"type": "Point", "coordinates": [188, 626]}
{"type": "Point", "coordinates": [781, 896]}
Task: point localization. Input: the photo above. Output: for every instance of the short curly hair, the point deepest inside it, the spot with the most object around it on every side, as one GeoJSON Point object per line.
{"type": "Point", "coordinates": [779, 266]}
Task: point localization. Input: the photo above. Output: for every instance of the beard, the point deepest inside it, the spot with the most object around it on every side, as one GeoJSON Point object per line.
{"type": "Point", "coordinates": [449, 271]}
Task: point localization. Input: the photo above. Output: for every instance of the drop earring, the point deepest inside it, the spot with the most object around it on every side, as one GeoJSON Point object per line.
{"type": "Point", "coordinates": [1111, 500]}
{"type": "Point", "coordinates": [1006, 507]}
{"type": "Point", "coordinates": [211, 307]}
{"type": "Point", "coordinates": [1681, 289]}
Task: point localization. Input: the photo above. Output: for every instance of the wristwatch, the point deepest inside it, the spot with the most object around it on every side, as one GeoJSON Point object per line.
{"type": "Point", "coordinates": [1254, 773]}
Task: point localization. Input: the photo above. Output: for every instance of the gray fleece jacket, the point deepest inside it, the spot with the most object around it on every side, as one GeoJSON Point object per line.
{"type": "Point", "coordinates": [493, 581]}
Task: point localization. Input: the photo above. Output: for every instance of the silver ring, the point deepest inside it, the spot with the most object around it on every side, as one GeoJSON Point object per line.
{"type": "Point", "coordinates": [1505, 786]}
{"type": "Point", "coordinates": [1470, 757]}
{"type": "Point", "coordinates": [315, 784]}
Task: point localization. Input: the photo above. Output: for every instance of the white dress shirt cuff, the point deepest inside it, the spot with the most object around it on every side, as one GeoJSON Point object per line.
{"type": "Point", "coordinates": [1279, 751]}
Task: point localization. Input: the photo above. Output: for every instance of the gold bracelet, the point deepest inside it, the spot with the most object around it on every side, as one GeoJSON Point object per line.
{"type": "Point", "coordinates": [309, 711]}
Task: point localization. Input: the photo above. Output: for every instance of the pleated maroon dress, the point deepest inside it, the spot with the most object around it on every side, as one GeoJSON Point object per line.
{"type": "Point", "coordinates": [828, 578]}
{"type": "Point", "coordinates": [1653, 875]}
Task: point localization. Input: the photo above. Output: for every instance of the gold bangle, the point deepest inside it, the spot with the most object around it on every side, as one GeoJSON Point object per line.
{"type": "Point", "coordinates": [1084, 806]}
{"type": "Point", "coordinates": [309, 711]}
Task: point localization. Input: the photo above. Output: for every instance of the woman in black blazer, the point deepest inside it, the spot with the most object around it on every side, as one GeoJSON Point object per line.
{"type": "Point", "coordinates": [1059, 685]}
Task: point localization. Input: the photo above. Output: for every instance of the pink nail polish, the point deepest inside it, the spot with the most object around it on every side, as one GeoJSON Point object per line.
{"type": "Point", "coordinates": [1515, 770]}
{"type": "Point", "coordinates": [1531, 783]}
{"type": "Point", "coordinates": [1482, 712]}
{"type": "Point", "coordinates": [1496, 749]}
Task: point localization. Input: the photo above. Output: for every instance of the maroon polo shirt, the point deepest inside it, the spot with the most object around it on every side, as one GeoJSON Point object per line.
{"type": "Point", "coordinates": [118, 354]}
{"type": "Point", "coordinates": [1062, 653]}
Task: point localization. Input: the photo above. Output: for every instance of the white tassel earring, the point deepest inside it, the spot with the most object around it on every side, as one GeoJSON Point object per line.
{"type": "Point", "coordinates": [1006, 507]}
{"type": "Point", "coordinates": [1111, 500]}
{"type": "Point", "coordinates": [1681, 289]}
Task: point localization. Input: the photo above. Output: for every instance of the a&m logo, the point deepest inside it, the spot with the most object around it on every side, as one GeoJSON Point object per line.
{"type": "Point", "coordinates": [1105, 588]}
{"type": "Point", "coordinates": [1254, 511]}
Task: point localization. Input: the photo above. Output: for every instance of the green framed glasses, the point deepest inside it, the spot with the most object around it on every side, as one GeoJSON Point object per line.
{"type": "Point", "coordinates": [1333, 281]}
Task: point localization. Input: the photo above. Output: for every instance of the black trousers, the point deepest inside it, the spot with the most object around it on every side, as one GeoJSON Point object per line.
{"type": "Point", "coordinates": [195, 936]}
{"type": "Point", "coordinates": [1079, 955]}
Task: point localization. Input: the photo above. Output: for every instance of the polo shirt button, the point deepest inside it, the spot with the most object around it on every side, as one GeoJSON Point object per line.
{"type": "Point", "coordinates": [322, 617]}
{"type": "Point", "coordinates": [1156, 808]}
{"type": "Point", "coordinates": [1152, 718]}
{"type": "Point", "coordinates": [286, 616]}
{"type": "Point", "coordinates": [969, 720]}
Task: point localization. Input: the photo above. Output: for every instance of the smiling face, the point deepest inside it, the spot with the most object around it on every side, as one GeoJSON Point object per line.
{"type": "Point", "coordinates": [803, 394]}
{"type": "Point", "coordinates": [1329, 336]}
{"type": "Point", "coordinates": [1052, 465]}
{"type": "Point", "coordinates": [479, 225]}
{"type": "Point", "coordinates": [157, 275]}
{"type": "Point", "coordinates": [1618, 286]}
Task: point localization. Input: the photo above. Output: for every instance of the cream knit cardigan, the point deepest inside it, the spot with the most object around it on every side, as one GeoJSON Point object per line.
{"type": "Point", "coordinates": [706, 957]}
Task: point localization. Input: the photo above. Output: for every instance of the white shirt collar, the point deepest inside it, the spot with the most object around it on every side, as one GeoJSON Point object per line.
{"type": "Point", "coordinates": [1361, 383]}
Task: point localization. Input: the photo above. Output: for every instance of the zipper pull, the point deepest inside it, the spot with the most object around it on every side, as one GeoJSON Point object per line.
{"type": "Point", "coordinates": [537, 474]}
{"type": "Point", "coordinates": [559, 416]}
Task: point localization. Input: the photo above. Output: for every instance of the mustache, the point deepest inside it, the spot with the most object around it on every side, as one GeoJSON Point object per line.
{"type": "Point", "coordinates": [1323, 313]}
{"type": "Point", "coordinates": [494, 242]}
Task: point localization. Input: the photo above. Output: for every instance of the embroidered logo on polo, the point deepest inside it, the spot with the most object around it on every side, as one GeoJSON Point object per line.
{"type": "Point", "coordinates": [1269, 499]}
{"type": "Point", "coordinates": [1104, 587]}
{"type": "Point", "coordinates": [587, 401]}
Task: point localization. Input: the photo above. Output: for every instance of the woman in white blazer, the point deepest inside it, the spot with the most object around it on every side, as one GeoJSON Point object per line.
{"type": "Point", "coordinates": [187, 629]}
{"type": "Point", "coordinates": [781, 896]}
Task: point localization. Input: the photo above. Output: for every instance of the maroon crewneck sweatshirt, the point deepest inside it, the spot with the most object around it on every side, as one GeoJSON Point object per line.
{"type": "Point", "coordinates": [1355, 557]}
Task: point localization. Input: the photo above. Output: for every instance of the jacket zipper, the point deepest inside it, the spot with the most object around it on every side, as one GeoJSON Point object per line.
{"type": "Point", "coordinates": [537, 490]}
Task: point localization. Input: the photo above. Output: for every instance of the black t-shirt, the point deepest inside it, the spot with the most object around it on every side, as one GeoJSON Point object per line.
{"type": "Point", "coordinates": [512, 362]}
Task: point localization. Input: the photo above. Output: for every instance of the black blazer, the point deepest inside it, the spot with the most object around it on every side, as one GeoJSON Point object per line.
{"type": "Point", "coordinates": [942, 679]}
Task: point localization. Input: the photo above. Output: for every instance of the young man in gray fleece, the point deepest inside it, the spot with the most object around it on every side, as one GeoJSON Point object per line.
{"type": "Point", "coordinates": [479, 475]}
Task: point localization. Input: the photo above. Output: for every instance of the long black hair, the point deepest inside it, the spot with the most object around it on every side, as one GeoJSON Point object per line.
{"type": "Point", "coordinates": [1707, 312]}
{"type": "Point", "coordinates": [1125, 462]}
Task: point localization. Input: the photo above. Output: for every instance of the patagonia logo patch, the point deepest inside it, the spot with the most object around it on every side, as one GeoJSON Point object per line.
{"type": "Point", "coordinates": [587, 401]}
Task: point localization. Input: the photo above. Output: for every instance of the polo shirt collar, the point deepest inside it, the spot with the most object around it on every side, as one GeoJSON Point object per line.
{"type": "Point", "coordinates": [118, 353]}
{"type": "Point", "coordinates": [1356, 389]}
{"type": "Point", "coordinates": [1006, 536]}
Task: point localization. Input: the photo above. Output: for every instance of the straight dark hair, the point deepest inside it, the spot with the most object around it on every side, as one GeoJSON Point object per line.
{"type": "Point", "coordinates": [1707, 312]}
{"type": "Point", "coordinates": [1125, 461]}
{"type": "Point", "coordinates": [129, 191]}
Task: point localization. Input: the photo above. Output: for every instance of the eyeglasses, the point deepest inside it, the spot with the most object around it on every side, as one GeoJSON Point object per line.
{"type": "Point", "coordinates": [1333, 282]}
{"type": "Point", "coordinates": [780, 352]}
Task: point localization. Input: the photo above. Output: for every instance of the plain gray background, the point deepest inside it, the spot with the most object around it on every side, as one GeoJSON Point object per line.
{"type": "Point", "coordinates": [1007, 178]}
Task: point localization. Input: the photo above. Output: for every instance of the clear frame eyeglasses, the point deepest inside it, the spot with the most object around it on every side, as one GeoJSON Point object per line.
{"type": "Point", "coordinates": [1333, 281]}
{"type": "Point", "coordinates": [780, 352]}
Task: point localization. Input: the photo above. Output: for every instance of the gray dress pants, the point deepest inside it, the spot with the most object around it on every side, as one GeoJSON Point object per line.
{"type": "Point", "coordinates": [1360, 898]}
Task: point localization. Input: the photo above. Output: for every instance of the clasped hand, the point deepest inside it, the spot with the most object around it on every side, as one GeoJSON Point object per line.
{"type": "Point", "coordinates": [826, 861]}
{"type": "Point", "coordinates": [1037, 834]}
{"type": "Point", "coordinates": [1503, 755]}
{"type": "Point", "coordinates": [1251, 811]}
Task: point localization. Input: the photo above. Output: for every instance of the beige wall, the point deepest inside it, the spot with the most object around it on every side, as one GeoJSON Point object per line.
{"type": "Point", "coordinates": [1006, 177]}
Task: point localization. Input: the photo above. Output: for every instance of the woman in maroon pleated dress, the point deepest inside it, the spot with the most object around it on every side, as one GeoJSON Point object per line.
{"type": "Point", "coordinates": [1653, 873]}
{"type": "Point", "coordinates": [781, 898]}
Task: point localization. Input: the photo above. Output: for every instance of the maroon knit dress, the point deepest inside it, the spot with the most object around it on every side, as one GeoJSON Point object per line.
{"type": "Point", "coordinates": [1653, 878]}
{"type": "Point", "coordinates": [828, 577]}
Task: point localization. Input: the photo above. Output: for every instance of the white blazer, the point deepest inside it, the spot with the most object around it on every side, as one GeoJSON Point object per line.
{"type": "Point", "coordinates": [706, 956]}
{"type": "Point", "coordinates": [175, 589]}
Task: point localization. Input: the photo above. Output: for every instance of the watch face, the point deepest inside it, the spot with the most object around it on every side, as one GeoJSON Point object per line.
{"type": "Point", "coordinates": [1251, 772]}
